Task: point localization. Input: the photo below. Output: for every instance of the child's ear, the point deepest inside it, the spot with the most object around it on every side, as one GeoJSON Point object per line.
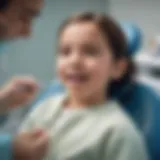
{"type": "Point", "coordinates": [120, 68]}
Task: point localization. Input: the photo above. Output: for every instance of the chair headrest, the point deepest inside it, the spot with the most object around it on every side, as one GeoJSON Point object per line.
{"type": "Point", "coordinates": [134, 37]}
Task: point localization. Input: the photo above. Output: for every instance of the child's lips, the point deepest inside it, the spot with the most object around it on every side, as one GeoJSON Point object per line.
{"type": "Point", "coordinates": [77, 78]}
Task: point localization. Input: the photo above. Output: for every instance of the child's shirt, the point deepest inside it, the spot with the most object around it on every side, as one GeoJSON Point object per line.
{"type": "Point", "coordinates": [103, 132]}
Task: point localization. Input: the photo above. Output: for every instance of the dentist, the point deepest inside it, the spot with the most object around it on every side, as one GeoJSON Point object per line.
{"type": "Point", "coordinates": [16, 18]}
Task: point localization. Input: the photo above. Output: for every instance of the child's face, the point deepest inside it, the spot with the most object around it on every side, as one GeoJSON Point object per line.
{"type": "Point", "coordinates": [85, 61]}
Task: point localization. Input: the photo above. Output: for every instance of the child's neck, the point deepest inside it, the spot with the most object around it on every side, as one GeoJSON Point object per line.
{"type": "Point", "coordinates": [95, 99]}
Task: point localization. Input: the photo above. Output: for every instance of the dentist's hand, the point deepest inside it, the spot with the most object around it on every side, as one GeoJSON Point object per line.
{"type": "Point", "coordinates": [30, 145]}
{"type": "Point", "coordinates": [19, 91]}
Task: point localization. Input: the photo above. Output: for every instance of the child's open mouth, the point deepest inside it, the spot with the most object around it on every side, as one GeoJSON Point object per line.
{"type": "Point", "coordinates": [77, 78]}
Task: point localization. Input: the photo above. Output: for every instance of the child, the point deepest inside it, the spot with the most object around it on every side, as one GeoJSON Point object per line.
{"type": "Point", "coordinates": [85, 123]}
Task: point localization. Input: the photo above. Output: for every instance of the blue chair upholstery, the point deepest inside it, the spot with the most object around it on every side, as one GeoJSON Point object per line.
{"type": "Point", "coordinates": [142, 104]}
{"type": "Point", "coordinates": [134, 37]}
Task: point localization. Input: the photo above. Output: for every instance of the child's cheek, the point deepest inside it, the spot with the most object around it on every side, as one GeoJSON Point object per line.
{"type": "Point", "coordinates": [95, 67]}
{"type": "Point", "coordinates": [100, 71]}
{"type": "Point", "coordinates": [61, 67]}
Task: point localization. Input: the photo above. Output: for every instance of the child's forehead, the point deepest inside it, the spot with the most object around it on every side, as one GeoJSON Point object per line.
{"type": "Point", "coordinates": [88, 27]}
{"type": "Point", "coordinates": [85, 30]}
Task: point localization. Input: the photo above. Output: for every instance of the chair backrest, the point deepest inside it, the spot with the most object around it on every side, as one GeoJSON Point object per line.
{"type": "Point", "coordinates": [134, 37]}
{"type": "Point", "coordinates": [143, 105]}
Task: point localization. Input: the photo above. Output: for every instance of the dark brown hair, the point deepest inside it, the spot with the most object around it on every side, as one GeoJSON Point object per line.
{"type": "Point", "coordinates": [3, 4]}
{"type": "Point", "coordinates": [114, 35]}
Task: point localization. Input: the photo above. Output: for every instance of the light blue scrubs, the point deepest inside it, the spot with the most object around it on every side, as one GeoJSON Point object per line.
{"type": "Point", "coordinates": [6, 138]}
{"type": "Point", "coordinates": [6, 146]}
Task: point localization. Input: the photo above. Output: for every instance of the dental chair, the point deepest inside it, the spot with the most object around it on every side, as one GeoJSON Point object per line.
{"type": "Point", "coordinates": [142, 104]}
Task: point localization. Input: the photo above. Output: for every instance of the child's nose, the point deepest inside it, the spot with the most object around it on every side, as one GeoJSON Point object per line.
{"type": "Point", "coordinates": [76, 59]}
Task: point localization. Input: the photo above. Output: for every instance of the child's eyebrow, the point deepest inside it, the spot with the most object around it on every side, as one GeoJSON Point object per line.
{"type": "Point", "coordinates": [32, 12]}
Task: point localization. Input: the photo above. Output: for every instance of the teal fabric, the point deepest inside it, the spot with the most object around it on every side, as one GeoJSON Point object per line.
{"type": "Point", "coordinates": [143, 104]}
{"type": "Point", "coordinates": [6, 147]}
{"type": "Point", "coordinates": [5, 139]}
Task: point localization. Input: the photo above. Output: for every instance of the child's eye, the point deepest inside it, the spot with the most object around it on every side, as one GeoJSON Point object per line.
{"type": "Point", "coordinates": [91, 51]}
{"type": "Point", "coordinates": [64, 51]}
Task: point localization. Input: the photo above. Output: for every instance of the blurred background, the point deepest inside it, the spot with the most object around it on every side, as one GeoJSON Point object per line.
{"type": "Point", "coordinates": [36, 56]}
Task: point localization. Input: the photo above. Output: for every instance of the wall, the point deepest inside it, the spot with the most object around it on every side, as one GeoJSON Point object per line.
{"type": "Point", "coordinates": [143, 12]}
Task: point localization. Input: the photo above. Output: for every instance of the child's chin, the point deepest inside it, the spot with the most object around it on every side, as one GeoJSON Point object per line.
{"type": "Point", "coordinates": [79, 93]}
{"type": "Point", "coordinates": [76, 85]}
{"type": "Point", "coordinates": [80, 89]}
{"type": "Point", "coordinates": [75, 88]}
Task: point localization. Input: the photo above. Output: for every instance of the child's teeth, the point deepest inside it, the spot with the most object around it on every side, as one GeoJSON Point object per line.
{"type": "Point", "coordinates": [77, 78]}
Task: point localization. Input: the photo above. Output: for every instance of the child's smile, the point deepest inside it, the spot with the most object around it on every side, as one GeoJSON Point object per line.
{"type": "Point", "coordinates": [77, 78]}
